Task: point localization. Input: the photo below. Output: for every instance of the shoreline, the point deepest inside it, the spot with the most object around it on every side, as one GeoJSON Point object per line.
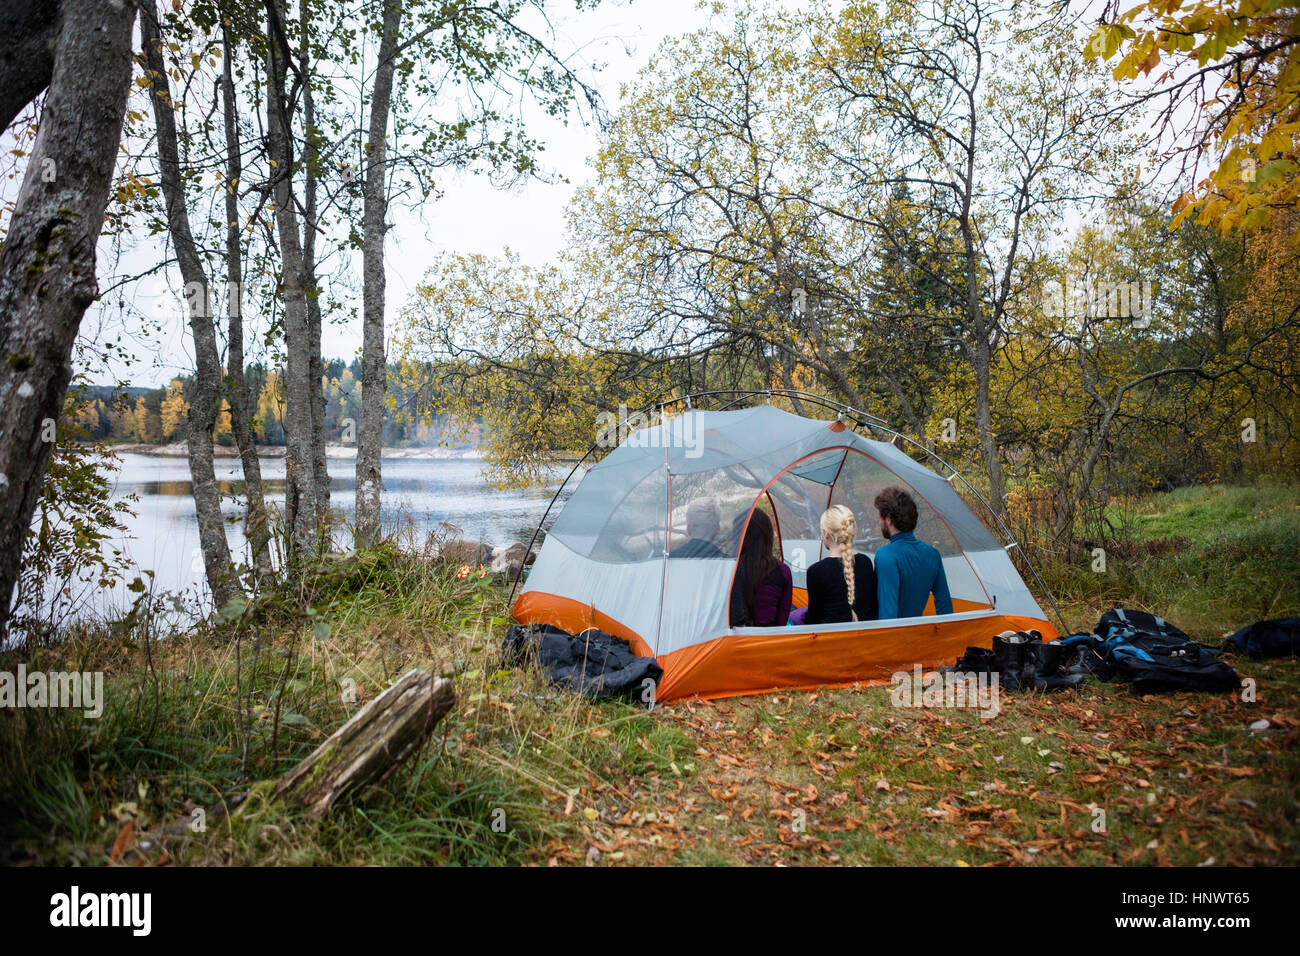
{"type": "Point", "coordinates": [179, 450]}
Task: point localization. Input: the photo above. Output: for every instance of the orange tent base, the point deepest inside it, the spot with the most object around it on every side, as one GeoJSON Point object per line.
{"type": "Point", "coordinates": [738, 664]}
{"type": "Point", "coordinates": [787, 658]}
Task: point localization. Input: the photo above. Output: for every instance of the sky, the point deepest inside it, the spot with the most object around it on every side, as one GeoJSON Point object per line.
{"type": "Point", "coordinates": [472, 216]}
{"type": "Point", "coordinates": [475, 216]}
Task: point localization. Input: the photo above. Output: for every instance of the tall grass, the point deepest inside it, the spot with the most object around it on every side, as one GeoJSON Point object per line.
{"type": "Point", "coordinates": [241, 700]}
{"type": "Point", "coordinates": [1210, 558]}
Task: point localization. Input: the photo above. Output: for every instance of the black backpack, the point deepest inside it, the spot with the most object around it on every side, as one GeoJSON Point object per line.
{"type": "Point", "coordinates": [1154, 655]}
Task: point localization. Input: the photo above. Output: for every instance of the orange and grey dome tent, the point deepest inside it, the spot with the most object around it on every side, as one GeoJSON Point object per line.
{"type": "Point", "coordinates": [619, 558]}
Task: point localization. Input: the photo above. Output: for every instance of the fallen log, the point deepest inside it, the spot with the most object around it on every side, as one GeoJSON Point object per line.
{"type": "Point", "coordinates": [367, 748]}
{"type": "Point", "coordinates": [364, 750]}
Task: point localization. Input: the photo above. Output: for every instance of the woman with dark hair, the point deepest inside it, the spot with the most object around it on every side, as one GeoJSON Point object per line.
{"type": "Point", "coordinates": [763, 587]}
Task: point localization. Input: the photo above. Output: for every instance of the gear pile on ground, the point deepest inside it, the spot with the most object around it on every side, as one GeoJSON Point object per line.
{"type": "Point", "coordinates": [1025, 662]}
{"type": "Point", "coordinates": [1143, 649]}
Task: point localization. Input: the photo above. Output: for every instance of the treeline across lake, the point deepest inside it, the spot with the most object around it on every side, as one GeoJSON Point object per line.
{"type": "Point", "coordinates": [155, 416]}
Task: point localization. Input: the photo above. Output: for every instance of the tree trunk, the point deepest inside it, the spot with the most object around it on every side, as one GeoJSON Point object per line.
{"type": "Point", "coordinates": [299, 388]}
{"type": "Point", "coordinates": [47, 262]}
{"type": "Point", "coordinates": [206, 401]}
{"type": "Point", "coordinates": [28, 33]}
{"type": "Point", "coordinates": [319, 465]}
{"type": "Point", "coordinates": [370, 438]}
{"type": "Point", "coordinates": [255, 519]}
{"type": "Point", "coordinates": [787, 381]}
{"type": "Point", "coordinates": [984, 425]}
{"type": "Point", "coordinates": [371, 744]}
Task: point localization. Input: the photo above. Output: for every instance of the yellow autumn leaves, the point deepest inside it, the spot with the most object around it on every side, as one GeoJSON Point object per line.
{"type": "Point", "coordinates": [1237, 64]}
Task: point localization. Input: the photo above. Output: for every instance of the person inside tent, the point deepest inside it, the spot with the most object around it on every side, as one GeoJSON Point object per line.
{"type": "Point", "coordinates": [841, 586]}
{"type": "Point", "coordinates": [762, 587]}
{"type": "Point", "coordinates": [908, 570]}
{"type": "Point", "coordinates": [702, 525]}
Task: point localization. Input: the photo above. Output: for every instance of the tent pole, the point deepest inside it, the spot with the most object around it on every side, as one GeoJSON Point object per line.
{"type": "Point", "coordinates": [663, 576]}
{"type": "Point", "coordinates": [514, 585]}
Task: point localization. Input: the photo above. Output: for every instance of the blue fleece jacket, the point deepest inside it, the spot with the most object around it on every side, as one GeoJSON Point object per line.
{"type": "Point", "coordinates": [907, 570]}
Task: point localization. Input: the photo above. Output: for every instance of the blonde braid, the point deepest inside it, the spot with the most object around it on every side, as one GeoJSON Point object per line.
{"type": "Point", "coordinates": [839, 523]}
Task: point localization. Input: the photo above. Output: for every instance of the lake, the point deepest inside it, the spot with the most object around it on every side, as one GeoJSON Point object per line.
{"type": "Point", "coordinates": [163, 536]}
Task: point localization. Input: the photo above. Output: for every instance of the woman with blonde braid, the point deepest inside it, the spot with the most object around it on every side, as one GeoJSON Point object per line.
{"type": "Point", "coordinates": [841, 587]}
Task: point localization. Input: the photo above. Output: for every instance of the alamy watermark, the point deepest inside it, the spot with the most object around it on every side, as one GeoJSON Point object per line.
{"type": "Point", "coordinates": [649, 430]}
{"type": "Point", "coordinates": [976, 690]}
{"type": "Point", "coordinates": [1099, 300]}
{"type": "Point", "coordinates": [128, 910]}
{"type": "Point", "coordinates": [69, 689]}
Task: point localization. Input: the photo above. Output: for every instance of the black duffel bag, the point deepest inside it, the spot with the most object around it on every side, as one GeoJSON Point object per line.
{"type": "Point", "coordinates": [592, 663]}
{"type": "Point", "coordinates": [1154, 655]}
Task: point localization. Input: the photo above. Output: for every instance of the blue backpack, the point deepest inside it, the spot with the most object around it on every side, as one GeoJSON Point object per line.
{"type": "Point", "coordinates": [1152, 654]}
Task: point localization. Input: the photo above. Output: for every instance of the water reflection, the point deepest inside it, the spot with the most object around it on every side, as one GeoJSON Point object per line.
{"type": "Point", "coordinates": [419, 495]}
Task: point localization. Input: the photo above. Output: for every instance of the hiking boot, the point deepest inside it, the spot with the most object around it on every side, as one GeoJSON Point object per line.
{"type": "Point", "coordinates": [977, 660]}
{"type": "Point", "coordinates": [1049, 658]}
{"type": "Point", "coordinates": [1010, 650]}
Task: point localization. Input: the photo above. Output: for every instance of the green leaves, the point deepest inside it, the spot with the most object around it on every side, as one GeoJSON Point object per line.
{"type": "Point", "coordinates": [76, 512]}
{"type": "Point", "coordinates": [1106, 39]}
{"type": "Point", "coordinates": [233, 609]}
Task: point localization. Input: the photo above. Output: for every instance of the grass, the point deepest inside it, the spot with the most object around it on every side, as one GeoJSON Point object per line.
{"type": "Point", "coordinates": [520, 773]}
{"type": "Point", "coordinates": [1210, 558]}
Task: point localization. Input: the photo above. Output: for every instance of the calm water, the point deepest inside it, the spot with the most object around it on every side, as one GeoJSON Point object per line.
{"type": "Point", "coordinates": [164, 536]}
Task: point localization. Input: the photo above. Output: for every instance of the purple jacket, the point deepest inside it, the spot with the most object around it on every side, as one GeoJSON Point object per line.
{"type": "Point", "coordinates": [772, 599]}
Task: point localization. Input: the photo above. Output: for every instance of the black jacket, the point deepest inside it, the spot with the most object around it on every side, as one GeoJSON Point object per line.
{"type": "Point", "coordinates": [828, 593]}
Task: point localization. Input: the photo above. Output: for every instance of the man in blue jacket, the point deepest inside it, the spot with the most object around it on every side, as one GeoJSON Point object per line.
{"type": "Point", "coordinates": [908, 570]}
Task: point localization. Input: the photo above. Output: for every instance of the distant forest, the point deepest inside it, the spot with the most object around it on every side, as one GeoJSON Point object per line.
{"type": "Point", "coordinates": [158, 416]}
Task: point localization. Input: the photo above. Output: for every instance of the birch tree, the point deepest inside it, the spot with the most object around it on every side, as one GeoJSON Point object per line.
{"type": "Point", "coordinates": [255, 522]}
{"type": "Point", "coordinates": [47, 261]}
{"type": "Point", "coordinates": [441, 51]}
{"type": "Point", "coordinates": [370, 437]}
{"type": "Point", "coordinates": [206, 393]}
{"type": "Point", "coordinates": [301, 514]}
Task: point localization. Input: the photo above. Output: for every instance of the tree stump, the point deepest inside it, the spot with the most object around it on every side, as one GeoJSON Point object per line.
{"type": "Point", "coordinates": [365, 749]}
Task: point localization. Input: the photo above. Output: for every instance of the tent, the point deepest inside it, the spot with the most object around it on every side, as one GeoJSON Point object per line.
{"type": "Point", "coordinates": [620, 558]}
